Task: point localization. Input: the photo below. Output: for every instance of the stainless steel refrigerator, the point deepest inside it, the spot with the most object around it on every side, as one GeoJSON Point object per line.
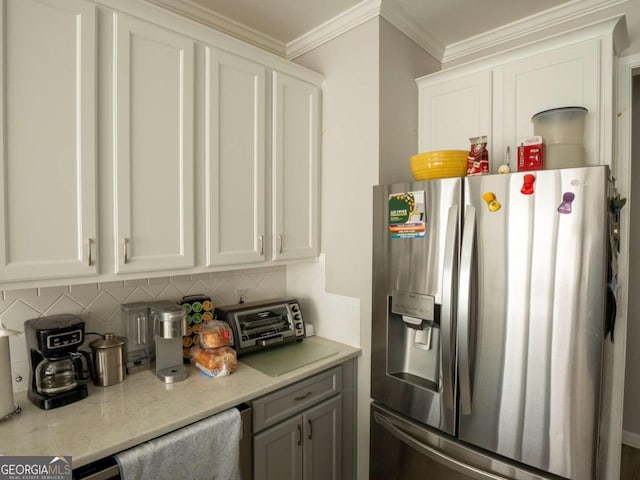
{"type": "Point", "coordinates": [488, 326]}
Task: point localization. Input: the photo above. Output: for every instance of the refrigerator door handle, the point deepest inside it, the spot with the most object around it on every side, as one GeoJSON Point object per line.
{"type": "Point", "coordinates": [447, 327]}
{"type": "Point", "coordinates": [464, 307]}
{"type": "Point", "coordinates": [432, 452]}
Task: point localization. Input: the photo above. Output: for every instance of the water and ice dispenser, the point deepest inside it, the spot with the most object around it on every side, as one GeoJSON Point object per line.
{"type": "Point", "coordinates": [413, 341]}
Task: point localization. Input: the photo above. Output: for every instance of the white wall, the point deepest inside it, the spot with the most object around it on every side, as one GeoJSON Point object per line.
{"type": "Point", "coordinates": [369, 105]}
{"type": "Point", "coordinates": [401, 62]}
{"type": "Point", "coordinates": [349, 152]}
{"type": "Point", "coordinates": [349, 166]}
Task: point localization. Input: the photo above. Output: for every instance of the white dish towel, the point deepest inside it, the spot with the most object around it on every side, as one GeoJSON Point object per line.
{"type": "Point", "coordinates": [208, 449]}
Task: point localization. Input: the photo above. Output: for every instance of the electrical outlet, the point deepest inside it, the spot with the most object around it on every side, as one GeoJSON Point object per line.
{"type": "Point", "coordinates": [242, 294]}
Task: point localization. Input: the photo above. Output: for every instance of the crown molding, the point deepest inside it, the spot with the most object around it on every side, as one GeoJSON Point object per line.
{"type": "Point", "coordinates": [398, 17]}
{"type": "Point", "coordinates": [526, 26]}
{"type": "Point", "coordinates": [351, 18]}
{"type": "Point", "coordinates": [208, 17]}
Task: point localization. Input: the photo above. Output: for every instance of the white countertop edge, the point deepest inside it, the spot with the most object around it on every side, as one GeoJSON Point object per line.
{"type": "Point", "coordinates": [102, 424]}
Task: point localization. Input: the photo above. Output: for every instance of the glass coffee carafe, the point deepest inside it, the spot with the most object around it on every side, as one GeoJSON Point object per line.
{"type": "Point", "coordinates": [57, 375]}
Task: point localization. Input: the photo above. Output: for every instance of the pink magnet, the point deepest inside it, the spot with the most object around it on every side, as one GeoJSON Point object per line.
{"type": "Point", "coordinates": [527, 186]}
{"type": "Point", "coordinates": [567, 199]}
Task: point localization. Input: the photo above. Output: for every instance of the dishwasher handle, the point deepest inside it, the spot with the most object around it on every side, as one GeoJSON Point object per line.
{"type": "Point", "coordinates": [103, 469]}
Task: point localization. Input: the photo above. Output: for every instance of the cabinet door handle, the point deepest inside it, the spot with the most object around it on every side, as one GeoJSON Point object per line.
{"type": "Point", "coordinates": [299, 434]}
{"type": "Point", "coordinates": [280, 240]}
{"type": "Point", "coordinates": [302, 397]}
{"type": "Point", "coordinates": [261, 240]}
{"type": "Point", "coordinates": [125, 250]}
{"type": "Point", "coordinates": [310, 429]}
{"type": "Point", "coordinates": [89, 252]}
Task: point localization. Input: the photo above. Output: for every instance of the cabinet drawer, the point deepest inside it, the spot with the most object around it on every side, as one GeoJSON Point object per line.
{"type": "Point", "coordinates": [277, 406]}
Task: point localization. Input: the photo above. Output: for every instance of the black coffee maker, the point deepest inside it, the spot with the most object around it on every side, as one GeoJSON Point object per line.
{"type": "Point", "coordinates": [59, 371]}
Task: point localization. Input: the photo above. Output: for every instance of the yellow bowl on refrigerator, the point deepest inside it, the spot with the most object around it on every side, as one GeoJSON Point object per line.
{"type": "Point", "coordinates": [439, 164]}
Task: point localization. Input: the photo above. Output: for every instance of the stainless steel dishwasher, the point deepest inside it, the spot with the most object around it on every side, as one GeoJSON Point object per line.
{"type": "Point", "coordinates": [107, 468]}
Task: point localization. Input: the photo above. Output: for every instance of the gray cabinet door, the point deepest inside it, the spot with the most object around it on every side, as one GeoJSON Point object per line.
{"type": "Point", "coordinates": [322, 443]}
{"type": "Point", "coordinates": [278, 452]}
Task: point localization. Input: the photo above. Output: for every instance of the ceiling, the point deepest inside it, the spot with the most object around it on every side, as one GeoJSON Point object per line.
{"type": "Point", "coordinates": [284, 27]}
{"type": "Point", "coordinates": [448, 21]}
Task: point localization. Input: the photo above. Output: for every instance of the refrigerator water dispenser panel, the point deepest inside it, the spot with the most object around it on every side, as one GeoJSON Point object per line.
{"type": "Point", "coordinates": [415, 308]}
{"type": "Point", "coordinates": [413, 342]}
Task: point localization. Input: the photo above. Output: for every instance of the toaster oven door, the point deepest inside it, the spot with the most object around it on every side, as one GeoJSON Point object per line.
{"type": "Point", "coordinates": [262, 327]}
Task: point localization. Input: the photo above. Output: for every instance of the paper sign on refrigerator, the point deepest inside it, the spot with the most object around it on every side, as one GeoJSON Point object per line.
{"type": "Point", "coordinates": [407, 217]}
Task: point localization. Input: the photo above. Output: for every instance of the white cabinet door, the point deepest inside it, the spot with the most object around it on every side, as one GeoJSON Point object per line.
{"type": "Point", "coordinates": [322, 452]}
{"type": "Point", "coordinates": [295, 168]}
{"type": "Point", "coordinates": [48, 139]}
{"type": "Point", "coordinates": [564, 77]}
{"type": "Point", "coordinates": [454, 109]}
{"type": "Point", "coordinates": [153, 95]}
{"type": "Point", "coordinates": [235, 159]}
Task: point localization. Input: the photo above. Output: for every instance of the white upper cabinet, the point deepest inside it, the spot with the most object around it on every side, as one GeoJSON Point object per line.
{"type": "Point", "coordinates": [295, 168]}
{"type": "Point", "coordinates": [563, 77]}
{"type": "Point", "coordinates": [498, 96]}
{"type": "Point", "coordinates": [452, 110]}
{"type": "Point", "coordinates": [153, 95]}
{"type": "Point", "coordinates": [48, 139]}
{"type": "Point", "coordinates": [235, 159]}
{"type": "Point", "coordinates": [116, 121]}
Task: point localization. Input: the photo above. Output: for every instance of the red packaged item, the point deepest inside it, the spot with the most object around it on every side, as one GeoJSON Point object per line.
{"type": "Point", "coordinates": [478, 158]}
{"type": "Point", "coordinates": [531, 155]}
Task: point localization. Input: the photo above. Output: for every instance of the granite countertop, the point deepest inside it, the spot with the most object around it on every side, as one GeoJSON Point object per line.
{"type": "Point", "coordinates": [117, 417]}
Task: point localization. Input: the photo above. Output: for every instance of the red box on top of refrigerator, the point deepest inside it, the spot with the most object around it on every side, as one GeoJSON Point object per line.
{"type": "Point", "coordinates": [531, 155]}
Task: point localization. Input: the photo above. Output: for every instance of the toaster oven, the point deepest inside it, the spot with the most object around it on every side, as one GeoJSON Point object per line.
{"type": "Point", "coordinates": [264, 324]}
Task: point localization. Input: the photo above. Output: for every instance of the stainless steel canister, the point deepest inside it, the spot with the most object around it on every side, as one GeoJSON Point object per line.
{"type": "Point", "coordinates": [109, 359]}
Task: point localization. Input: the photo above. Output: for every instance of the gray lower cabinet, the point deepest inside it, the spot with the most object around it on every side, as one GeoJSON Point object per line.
{"type": "Point", "coordinates": [299, 432]}
{"type": "Point", "coordinates": [305, 447]}
{"type": "Point", "coordinates": [322, 441]}
{"type": "Point", "coordinates": [278, 451]}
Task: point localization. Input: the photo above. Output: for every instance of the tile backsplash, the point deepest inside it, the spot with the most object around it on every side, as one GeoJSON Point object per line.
{"type": "Point", "coordinates": [98, 304]}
